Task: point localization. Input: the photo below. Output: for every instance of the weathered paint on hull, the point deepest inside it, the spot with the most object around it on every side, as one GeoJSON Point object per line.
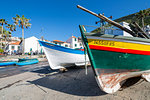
{"type": "Point", "coordinates": [115, 59]}
{"type": "Point", "coordinates": [114, 67]}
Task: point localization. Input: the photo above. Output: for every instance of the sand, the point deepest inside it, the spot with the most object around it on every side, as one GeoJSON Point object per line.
{"type": "Point", "coordinates": [71, 85]}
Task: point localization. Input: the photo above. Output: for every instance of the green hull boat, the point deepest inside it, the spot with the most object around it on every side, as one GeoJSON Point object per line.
{"type": "Point", "coordinates": [116, 58]}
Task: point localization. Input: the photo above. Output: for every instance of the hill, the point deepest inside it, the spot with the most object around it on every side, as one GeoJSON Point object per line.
{"type": "Point", "coordinates": [129, 18]}
{"type": "Point", "coordinates": [132, 17]}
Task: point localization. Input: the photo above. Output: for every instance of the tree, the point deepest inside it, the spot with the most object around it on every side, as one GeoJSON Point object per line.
{"type": "Point", "coordinates": [6, 36]}
{"type": "Point", "coordinates": [22, 22]}
{"type": "Point", "coordinates": [141, 15]}
{"type": "Point", "coordinates": [2, 22]}
{"type": "Point", "coordinates": [11, 27]}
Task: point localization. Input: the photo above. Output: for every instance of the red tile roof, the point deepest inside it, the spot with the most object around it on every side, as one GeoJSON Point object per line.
{"type": "Point", "coordinates": [46, 40]}
{"type": "Point", "coordinates": [15, 43]}
{"type": "Point", "coordinates": [73, 37]}
{"type": "Point", "coordinates": [57, 41]}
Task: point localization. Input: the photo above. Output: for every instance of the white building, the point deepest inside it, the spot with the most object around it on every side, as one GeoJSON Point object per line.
{"type": "Point", "coordinates": [147, 29]}
{"type": "Point", "coordinates": [15, 39]}
{"type": "Point", "coordinates": [13, 47]}
{"type": "Point", "coordinates": [61, 43]}
{"type": "Point", "coordinates": [118, 31]}
{"type": "Point", "coordinates": [75, 43]}
{"type": "Point", "coordinates": [32, 45]}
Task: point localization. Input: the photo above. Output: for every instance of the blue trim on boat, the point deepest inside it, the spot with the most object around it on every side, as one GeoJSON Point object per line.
{"type": "Point", "coordinates": [27, 62]}
{"type": "Point", "coordinates": [7, 63]}
{"type": "Point", "coordinates": [60, 48]}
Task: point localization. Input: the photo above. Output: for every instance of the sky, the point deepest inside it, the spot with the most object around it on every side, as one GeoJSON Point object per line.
{"type": "Point", "coordinates": [60, 19]}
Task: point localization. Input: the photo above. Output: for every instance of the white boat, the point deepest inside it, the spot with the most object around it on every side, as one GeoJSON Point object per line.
{"type": "Point", "coordinates": [61, 57]}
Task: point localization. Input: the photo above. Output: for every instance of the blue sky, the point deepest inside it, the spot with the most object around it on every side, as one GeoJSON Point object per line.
{"type": "Point", "coordinates": [59, 19]}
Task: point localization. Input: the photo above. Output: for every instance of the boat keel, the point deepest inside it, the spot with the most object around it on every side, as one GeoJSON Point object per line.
{"type": "Point", "coordinates": [146, 76]}
{"type": "Point", "coordinates": [111, 83]}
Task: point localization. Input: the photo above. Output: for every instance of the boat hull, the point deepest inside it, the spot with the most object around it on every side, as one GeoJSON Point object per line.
{"type": "Point", "coordinates": [23, 62]}
{"type": "Point", "coordinates": [117, 58]}
{"type": "Point", "coordinates": [61, 57]}
{"type": "Point", "coordinates": [7, 63]}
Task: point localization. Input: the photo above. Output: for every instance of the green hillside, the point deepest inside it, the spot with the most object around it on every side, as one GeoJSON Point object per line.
{"type": "Point", "coordinates": [132, 17]}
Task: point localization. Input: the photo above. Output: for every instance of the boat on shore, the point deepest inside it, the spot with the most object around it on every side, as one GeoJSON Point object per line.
{"type": "Point", "coordinates": [7, 63]}
{"type": "Point", "coordinates": [62, 57]}
{"type": "Point", "coordinates": [116, 58]}
{"type": "Point", "coordinates": [26, 61]}
{"type": "Point", "coordinates": [19, 62]}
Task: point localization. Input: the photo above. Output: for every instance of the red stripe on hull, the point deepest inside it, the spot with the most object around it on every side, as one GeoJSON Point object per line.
{"type": "Point", "coordinates": [119, 50]}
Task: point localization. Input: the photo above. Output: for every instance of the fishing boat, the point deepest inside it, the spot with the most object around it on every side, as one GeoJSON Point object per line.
{"type": "Point", "coordinates": [7, 63]}
{"type": "Point", "coordinates": [62, 57]}
{"type": "Point", "coordinates": [116, 58]}
{"type": "Point", "coordinates": [26, 61]}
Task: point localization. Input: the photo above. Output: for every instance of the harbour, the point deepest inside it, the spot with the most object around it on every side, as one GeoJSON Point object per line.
{"type": "Point", "coordinates": [58, 51]}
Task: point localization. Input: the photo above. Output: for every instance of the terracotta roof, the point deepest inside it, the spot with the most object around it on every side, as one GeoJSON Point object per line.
{"type": "Point", "coordinates": [46, 40]}
{"type": "Point", "coordinates": [73, 37]}
{"type": "Point", "coordinates": [15, 43]}
{"type": "Point", "coordinates": [57, 41]}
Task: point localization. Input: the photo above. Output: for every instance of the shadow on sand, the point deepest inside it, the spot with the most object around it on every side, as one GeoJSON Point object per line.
{"type": "Point", "coordinates": [73, 82]}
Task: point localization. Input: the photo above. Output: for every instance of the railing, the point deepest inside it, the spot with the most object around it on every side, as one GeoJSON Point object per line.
{"type": "Point", "coordinates": [103, 30]}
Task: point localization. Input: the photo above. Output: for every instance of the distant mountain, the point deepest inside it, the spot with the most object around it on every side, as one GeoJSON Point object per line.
{"type": "Point", "coordinates": [132, 17]}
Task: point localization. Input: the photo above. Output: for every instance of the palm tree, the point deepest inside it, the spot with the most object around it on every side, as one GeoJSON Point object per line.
{"type": "Point", "coordinates": [2, 22]}
{"type": "Point", "coordinates": [6, 35]}
{"type": "Point", "coordinates": [22, 22]}
{"type": "Point", "coordinates": [141, 15]}
{"type": "Point", "coordinates": [11, 27]}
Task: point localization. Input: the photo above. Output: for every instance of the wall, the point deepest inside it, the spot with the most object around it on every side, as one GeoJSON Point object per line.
{"type": "Point", "coordinates": [33, 43]}
{"type": "Point", "coordinates": [74, 43]}
{"type": "Point", "coordinates": [118, 31]}
{"type": "Point", "coordinates": [12, 50]}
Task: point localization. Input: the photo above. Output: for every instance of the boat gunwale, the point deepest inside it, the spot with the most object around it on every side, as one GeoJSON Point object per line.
{"type": "Point", "coordinates": [117, 37]}
{"type": "Point", "coordinates": [61, 48]}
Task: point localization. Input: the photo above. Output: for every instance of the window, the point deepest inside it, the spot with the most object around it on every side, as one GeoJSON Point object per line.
{"type": "Point", "coordinates": [75, 39]}
{"type": "Point", "coordinates": [75, 45]}
{"type": "Point", "coordinates": [18, 47]}
{"type": "Point", "coordinates": [80, 44]}
{"type": "Point", "coordinates": [12, 47]}
{"type": "Point", "coordinates": [66, 45]}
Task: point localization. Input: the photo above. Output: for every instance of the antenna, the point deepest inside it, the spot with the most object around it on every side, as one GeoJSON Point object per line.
{"type": "Point", "coordinates": [42, 38]}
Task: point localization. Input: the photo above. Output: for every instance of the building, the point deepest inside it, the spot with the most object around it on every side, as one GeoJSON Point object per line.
{"type": "Point", "coordinates": [13, 48]}
{"type": "Point", "coordinates": [13, 39]}
{"type": "Point", "coordinates": [75, 43]}
{"type": "Point", "coordinates": [6, 41]}
{"type": "Point", "coordinates": [32, 45]}
{"type": "Point", "coordinates": [117, 31]}
{"type": "Point", "coordinates": [61, 43]}
{"type": "Point", "coordinates": [147, 29]}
